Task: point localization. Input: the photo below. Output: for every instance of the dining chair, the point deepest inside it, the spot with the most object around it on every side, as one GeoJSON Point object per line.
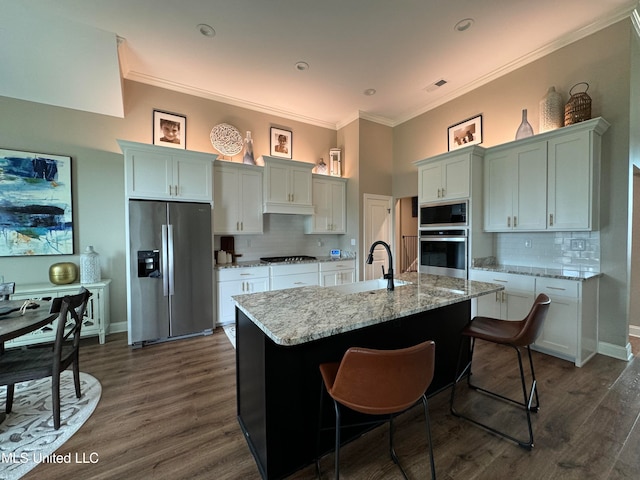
{"type": "Point", "coordinates": [24, 364]}
{"type": "Point", "coordinates": [383, 383]}
{"type": "Point", "coordinates": [517, 334]}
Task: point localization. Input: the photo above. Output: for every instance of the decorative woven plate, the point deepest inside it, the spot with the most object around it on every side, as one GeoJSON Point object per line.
{"type": "Point", "coordinates": [226, 139]}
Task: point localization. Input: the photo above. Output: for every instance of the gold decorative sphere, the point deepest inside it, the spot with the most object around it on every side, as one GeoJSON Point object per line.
{"type": "Point", "coordinates": [63, 273]}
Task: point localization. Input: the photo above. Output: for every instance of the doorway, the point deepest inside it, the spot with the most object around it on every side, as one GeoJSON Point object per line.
{"type": "Point", "coordinates": [378, 225]}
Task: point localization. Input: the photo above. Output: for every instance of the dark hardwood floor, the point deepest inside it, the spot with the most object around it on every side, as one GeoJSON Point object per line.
{"type": "Point", "coordinates": [168, 412]}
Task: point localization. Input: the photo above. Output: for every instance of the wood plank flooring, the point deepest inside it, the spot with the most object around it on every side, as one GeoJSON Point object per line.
{"type": "Point", "coordinates": [168, 412]}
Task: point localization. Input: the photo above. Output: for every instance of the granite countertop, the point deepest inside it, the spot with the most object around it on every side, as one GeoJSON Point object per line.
{"type": "Point", "coordinates": [299, 315]}
{"type": "Point", "coordinates": [258, 263]}
{"type": "Point", "coordinates": [560, 273]}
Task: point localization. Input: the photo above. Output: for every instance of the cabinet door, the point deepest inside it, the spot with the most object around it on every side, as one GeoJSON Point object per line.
{"type": "Point", "coordinates": [225, 205]}
{"type": "Point", "coordinates": [226, 304]}
{"type": "Point", "coordinates": [456, 177]}
{"type": "Point", "coordinates": [149, 175]}
{"type": "Point", "coordinates": [560, 329]}
{"type": "Point", "coordinates": [430, 182]}
{"type": "Point", "coordinates": [322, 217]}
{"type": "Point", "coordinates": [338, 202]}
{"type": "Point", "coordinates": [300, 185]}
{"type": "Point", "coordinates": [489, 305]}
{"type": "Point", "coordinates": [570, 180]}
{"type": "Point", "coordinates": [516, 304]}
{"type": "Point", "coordinates": [277, 183]}
{"type": "Point", "coordinates": [192, 179]}
{"type": "Point", "coordinates": [530, 199]}
{"type": "Point", "coordinates": [499, 184]}
{"type": "Point", "coordinates": [250, 202]}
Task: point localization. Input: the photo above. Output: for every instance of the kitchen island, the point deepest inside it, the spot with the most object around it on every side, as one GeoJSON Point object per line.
{"type": "Point", "coordinates": [282, 336]}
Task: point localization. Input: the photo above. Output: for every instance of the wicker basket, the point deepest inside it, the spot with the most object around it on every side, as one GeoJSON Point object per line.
{"type": "Point", "coordinates": [578, 108]}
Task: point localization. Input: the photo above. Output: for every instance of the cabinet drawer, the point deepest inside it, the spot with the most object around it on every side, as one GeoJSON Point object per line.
{"type": "Point", "coordinates": [555, 287]}
{"type": "Point", "coordinates": [511, 281]}
{"type": "Point", "coordinates": [337, 265]}
{"type": "Point", "coordinates": [227, 274]}
{"type": "Point", "coordinates": [293, 269]}
{"type": "Point", "coordinates": [294, 281]}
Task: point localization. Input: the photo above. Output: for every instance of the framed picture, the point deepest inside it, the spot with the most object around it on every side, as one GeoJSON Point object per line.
{"type": "Point", "coordinates": [281, 143]}
{"type": "Point", "coordinates": [169, 129]}
{"type": "Point", "coordinates": [36, 210]}
{"type": "Point", "coordinates": [465, 133]}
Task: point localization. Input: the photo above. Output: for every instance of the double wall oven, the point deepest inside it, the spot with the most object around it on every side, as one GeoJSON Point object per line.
{"type": "Point", "coordinates": [443, 243]}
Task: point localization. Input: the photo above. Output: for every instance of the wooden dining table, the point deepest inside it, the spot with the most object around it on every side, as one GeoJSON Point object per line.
{"type": "Point", "coordinates": [16, 323]}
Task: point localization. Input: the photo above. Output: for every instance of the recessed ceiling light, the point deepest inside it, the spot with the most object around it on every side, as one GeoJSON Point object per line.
{"type": "Point", "coordinates": [463, 25]}
{"type": "Point", "coordinates": [369, 91]}
{"type": "Point", "coordinates": [302, 66]}
{"type": "Point", "coordinates": [206, 30]}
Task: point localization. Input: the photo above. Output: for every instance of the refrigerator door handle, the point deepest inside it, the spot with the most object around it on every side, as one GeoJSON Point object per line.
{"type": "Point", "coordinates": [170, 264]}
{"type": "Point", "coordinates": [165, 261]}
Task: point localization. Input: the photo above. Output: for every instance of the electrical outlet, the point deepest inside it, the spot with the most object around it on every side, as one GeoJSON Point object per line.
{"type": "Point", "coordinates": [527, 243]}
{"type": "Point", "coordinates": [578, 244]}
{"type": "Point", "coordinates": [353, 242]}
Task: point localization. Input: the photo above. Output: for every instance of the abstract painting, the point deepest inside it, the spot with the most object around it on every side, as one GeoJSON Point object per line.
{"type": "Point", "coordinates": [36, 215]}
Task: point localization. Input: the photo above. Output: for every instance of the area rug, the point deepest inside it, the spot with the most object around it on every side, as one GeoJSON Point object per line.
{"type": "Point", "coordinates": [27, 436]}
{"type": "Point", "coordinates": [230, 330]}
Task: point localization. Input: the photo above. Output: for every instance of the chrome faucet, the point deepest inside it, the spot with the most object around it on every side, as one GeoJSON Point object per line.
{"type": "Point", "coordinates": [389, 275]}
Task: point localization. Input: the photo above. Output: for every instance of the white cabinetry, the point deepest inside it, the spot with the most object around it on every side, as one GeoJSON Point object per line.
{"type": "Point", "coordinates": [570, 330]}
{"type": "Point", "coordinates": [287, 186]}
{"type": "Point", "coordinates": [338, 272]}
{"type": "Point", "coordinates": [237, 281]}
{"type": "Point", "coordinates": [445, 177]}
{"type": "Point", "coordinates": [545, 182]}
{"type": "Point", "coordinates": [162, 173]}
{"type": "Point", "coordinates": [516, 187]}
{"type": "Point", "coordinates": [293, 275]}
{"type": "Point", "coordinates": [330, 204]}
{"type": "Point", "coordinates": [237, 199]}
{"type": "Point", "coordinates": [96, 318]}
{"type": "Point", "coordinates": [512, 303]}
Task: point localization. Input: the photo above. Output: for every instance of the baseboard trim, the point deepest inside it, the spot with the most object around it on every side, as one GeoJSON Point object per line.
{"type": "Point", "coordinates": [118, 327]}
{"type": "Point", "coordinates": [633, 330]}
{"type": "Point", "coordinates": [615, 351]}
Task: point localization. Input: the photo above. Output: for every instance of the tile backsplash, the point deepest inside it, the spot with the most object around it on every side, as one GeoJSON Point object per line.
{"type": "Point", "coordinates": [578, 251]}
{"type": "Point", "coordinates": [283, 235]}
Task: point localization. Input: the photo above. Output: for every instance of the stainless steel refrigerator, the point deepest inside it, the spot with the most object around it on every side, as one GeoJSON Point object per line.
{"type": "Point", "coordinates": [170, 277]}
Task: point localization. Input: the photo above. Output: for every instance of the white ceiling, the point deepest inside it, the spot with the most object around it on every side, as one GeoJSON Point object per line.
{"type": "Point", "coordinates": [399, 48]}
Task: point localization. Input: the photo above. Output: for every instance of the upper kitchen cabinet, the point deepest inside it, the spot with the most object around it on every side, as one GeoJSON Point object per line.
{"type": "Point", "coordinates": [237, 199]}
{"type": "Point", "coordinates": [161, 173]}
{"type": "Point", "coordinates": [287, 186]}
{"type": "Point", "coordinates": [515, 187]}
{"type": "Point", "coordinates": [549, 181]}
{"type": "Point", "coordinates": [330, 204]}
{"type": "Point", "coordinates": [447, 176]}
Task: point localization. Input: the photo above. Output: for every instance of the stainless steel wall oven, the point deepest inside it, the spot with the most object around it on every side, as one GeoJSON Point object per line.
{"type": "Point", "coordinates": [444, 252]}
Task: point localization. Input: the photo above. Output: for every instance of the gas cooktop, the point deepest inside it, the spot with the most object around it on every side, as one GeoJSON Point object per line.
{"type": "Point", "coordinates": [287, 258]}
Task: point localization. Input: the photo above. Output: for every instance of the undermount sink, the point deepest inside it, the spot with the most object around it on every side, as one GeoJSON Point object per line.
{"type": "Point", "coordinates": [367, 286]}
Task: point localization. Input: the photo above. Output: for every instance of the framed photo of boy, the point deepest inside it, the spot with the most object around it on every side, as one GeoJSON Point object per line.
{"type": "Point", "coordinates": [281, 143]}
{"type": "Point", "coordinates": [169, 129]}
{"type": "Point", "coordinates": [463, 134]}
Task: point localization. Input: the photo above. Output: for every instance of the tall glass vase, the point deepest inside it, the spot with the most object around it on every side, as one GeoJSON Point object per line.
{"type": "Point", "coordinates": [524, 130]}
{"type": "Point", "coordinates": [248, 150]}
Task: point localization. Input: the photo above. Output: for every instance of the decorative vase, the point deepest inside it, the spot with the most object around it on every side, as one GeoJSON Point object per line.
{"type": "Point", "coordinates": [248, 150]}
{"type": "Point", "coordinates": [524, 130]}
{"type": "Point", "coordinates": [551, 111]}
{"type": "Point", "coordinates": [63, 273]}
{"type": "Point", "coordinates": [90, 266]}
{"type": "Point", "coordinates": [321, 167]}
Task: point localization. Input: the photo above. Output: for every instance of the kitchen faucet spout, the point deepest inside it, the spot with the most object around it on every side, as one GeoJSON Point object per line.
{"type": "Point", "coordinates": [389, 275]}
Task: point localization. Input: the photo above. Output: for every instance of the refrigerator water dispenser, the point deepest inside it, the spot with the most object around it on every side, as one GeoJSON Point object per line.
{"type": "Point", "coordinates": [148, 263]}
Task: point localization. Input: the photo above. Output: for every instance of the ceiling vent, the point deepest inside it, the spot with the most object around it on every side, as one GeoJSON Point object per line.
{"type": "Point", "coordinates": [434, 86]}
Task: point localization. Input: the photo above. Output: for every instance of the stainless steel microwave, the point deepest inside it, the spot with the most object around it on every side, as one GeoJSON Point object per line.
{"type": "Point", "coordinates": [444, 214]}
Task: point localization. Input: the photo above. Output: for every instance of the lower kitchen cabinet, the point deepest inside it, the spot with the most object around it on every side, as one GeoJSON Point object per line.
{"type": "Point", "coordinates": [512, 303]}
{"type": "Point", "coordinates": [293, 275]}
{"type": "Point", "coordinates": [338, 272]}
{"type": "Point", "coordinates": [570, 330]}
{"type": "Point", "coordinates": [236, 281]}
{"type": "Point", "coordinates": [96, 317]}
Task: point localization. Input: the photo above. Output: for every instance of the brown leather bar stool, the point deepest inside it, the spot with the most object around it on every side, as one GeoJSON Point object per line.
{"type": "Point", "coordinates": [382, 383]}
{"type": "Point", "coordinates": [516, 334]}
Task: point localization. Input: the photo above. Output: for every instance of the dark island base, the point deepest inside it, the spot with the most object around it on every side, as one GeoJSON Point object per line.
{"type": "Point", "coordinates": [278, 387]}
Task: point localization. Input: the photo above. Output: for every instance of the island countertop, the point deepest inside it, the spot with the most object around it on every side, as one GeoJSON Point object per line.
{"type": "Point", "coordinates": [299, 315]}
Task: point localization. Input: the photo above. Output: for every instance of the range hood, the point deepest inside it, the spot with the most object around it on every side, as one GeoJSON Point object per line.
{"type": "Point", "coordinates": [287, 186]}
